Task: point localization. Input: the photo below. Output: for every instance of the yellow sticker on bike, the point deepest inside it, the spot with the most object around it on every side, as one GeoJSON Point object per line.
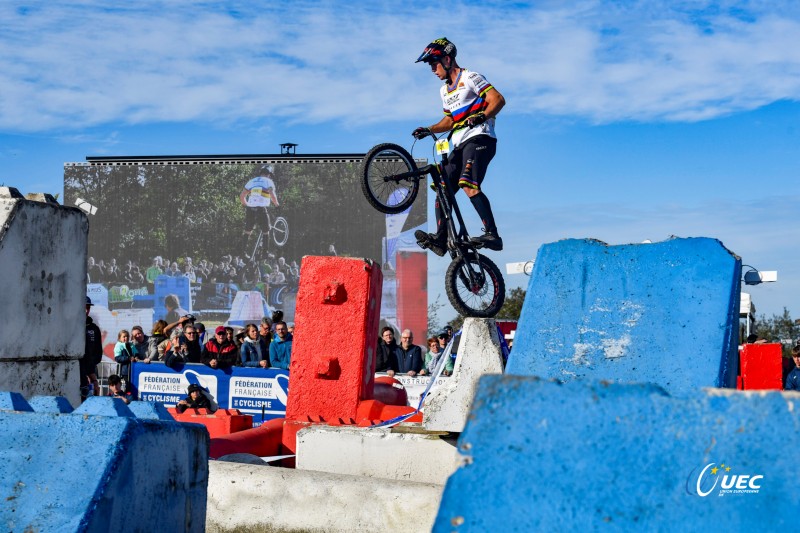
{"type": "Point", "coordinates": [442, 147]}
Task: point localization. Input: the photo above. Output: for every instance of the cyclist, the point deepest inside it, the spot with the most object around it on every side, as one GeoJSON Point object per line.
{"type": "Point", "coordinates": [470, 105]}
{"type": "Point", "coordinates": [256, 196]}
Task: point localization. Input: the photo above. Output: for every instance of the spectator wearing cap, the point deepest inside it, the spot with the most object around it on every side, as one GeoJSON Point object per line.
{"type": "Point", "coordinates": [280, 349]}
{"type": "Point", "coordinates": [219, 352]}
{"type": "Point", "coordinates": [197, 398]}
{"type": "Point", "coordinates": [92, 355]}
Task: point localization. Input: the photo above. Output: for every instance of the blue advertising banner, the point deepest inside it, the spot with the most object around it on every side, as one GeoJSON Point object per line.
{"type": "Point", "coordinates": [260, 392]}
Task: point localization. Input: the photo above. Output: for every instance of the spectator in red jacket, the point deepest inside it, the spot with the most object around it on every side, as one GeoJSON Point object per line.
{"type": "Point", "coordinates": [219, 352]}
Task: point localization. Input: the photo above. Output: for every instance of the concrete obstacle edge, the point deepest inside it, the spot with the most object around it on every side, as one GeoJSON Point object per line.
{"type": "Point", "coordinates": [281, 499]}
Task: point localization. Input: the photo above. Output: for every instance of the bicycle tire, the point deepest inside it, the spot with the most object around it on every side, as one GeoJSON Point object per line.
{"type": "Point", "coordinates": [280, 231]}
{"type": "Point", "coordinates": [486, 298]}
{"type": "Point", "coordinates": [389, 197]}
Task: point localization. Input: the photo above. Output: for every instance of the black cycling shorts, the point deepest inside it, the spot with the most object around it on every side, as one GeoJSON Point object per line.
{"type": "Point", "coordinates": [466, 165]}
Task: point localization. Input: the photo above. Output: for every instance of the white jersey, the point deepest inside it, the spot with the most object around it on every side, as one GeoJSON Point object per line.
{"type": "Point", "coordinates": [258, 192]}
{"type": "Point", "coordinates": [463, 99]}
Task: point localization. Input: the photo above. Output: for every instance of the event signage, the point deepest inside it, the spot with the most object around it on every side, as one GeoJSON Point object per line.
{"type": "Point", "coordinates": [260, 392]}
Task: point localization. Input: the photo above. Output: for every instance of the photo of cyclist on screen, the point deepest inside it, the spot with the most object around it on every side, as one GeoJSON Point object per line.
{"type": "Point", "coordinates": [257, 195]}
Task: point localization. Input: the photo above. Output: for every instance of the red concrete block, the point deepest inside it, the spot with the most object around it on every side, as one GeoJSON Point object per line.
{"type": "Point", "coordinates": [263, 441]}
{"type": "Point", "coordinates": [761, 366]}
{"type": "Point", "coordinates": [222, 422]}
{"type": "Point", "coordinates": [333, 353]}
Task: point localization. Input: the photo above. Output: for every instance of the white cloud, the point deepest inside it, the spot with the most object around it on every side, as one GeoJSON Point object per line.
{"type": "Point", "coordinates": [81, 63]}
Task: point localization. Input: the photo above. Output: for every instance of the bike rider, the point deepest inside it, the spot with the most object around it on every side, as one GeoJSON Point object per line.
{"type": "Point", "coordinates": [256, 196]}
{"type": "Point", "coordinates": [470, 105]}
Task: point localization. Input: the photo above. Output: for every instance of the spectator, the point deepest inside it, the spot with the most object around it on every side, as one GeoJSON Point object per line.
{"type": "Point", "coordinates": [219, 352]}
{"type": "Point", "coordinates": [254, 350]}
{"type": "Point", "coordinates": [194, 349]}
{"type": "Point", "coordinates": [153, 353]}
{"type": "Point", "coordinates": [115, 389]}
{"type": "Point", "coordinates": [408, 354]}
{"type": "Point", "coordinates": [201, 332]}
{"type": "Point", "coordinates": [154, 271]}
{"type": "Point", "coordinates": [265, 329]}
{"type": "Point", "coordinates": [197, 398]}
{"type": "Point", "coordinates": [177, 317]}
{"type": "Point", "coordinates": [124, 353]}
{"type": "Point", "coordinates": [174, 271]}
{"type": "Point", "coordinates": [280, 349]}
{"type": "Point", "coordinates": [384, 356]}
{"type": "Point", "coordinates": [793, 379]}
{"type": "Point", "coordinates": [188, 272]}
{"type": "Point", "coordinates": [435, 352]}
{"type": "Point", "coordinates": [92, 355]}
{"type": "Point", "coordinates": [141, 343]}
{"type": "Point", "coordinates": [290, 327]}
{"type": "Point", "coordinates": [231, 336]}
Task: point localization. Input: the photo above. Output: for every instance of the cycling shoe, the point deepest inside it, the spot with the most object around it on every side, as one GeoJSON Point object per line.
{"type": "Point", "coordinates": [490, 240]}
{"type": "Point", "coordinates": [433, 242]}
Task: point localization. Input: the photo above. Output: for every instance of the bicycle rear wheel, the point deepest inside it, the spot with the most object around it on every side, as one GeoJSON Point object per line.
{"type": "Point", "coordinates": [481, 298]}
{"type": "Point", "coordinates": [280, 231]}
{"type": "Point", "coordinates": [384, 192]}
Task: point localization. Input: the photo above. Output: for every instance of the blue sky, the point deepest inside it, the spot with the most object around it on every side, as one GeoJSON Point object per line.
{"type": "Point", "coordinates": [625, 121]}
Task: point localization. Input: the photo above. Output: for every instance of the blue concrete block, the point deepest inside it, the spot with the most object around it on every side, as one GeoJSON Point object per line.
{"type": "Point", "coordinates": [589, 455]}
{"type": "Point", "coordinates": [83, 472]}
{"type": "Point", "coordinates": [51, 404]}
{"type": "Point", "coordinates": [150, 411]}
{"type": "Point", "coordinates": [13, 401]}
{"type": "Point", "coordinates": [104, 406]}
{"type": "Point", "coordinates": [665, 313]}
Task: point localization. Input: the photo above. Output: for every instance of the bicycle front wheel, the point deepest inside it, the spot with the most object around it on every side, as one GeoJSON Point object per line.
{"type": "Point", "coordinates": [475, 286]}
{"type": "Point", "coordinates": [280, 231]}
{"type": "Point", "coordinates": [382, 187]}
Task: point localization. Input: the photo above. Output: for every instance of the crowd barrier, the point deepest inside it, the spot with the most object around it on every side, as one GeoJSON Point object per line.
{"type": "Point", "coordinates": [260, 392]}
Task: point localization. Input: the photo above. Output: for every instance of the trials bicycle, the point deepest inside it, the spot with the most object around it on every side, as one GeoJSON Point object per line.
{"type": "Point", "coordinates": [279, 231]}
{"type": "Point", "coordinates": [390, 182]}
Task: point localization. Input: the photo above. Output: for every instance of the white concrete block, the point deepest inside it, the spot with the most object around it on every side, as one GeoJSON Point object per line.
{"type": "Point", "coordinates": [389, 453]}
{"type": "Point", "coordinates": [245, 497]}
{"type": "Point", "coordinates": [43, 249]}
{"type": "Point", "coordinates": [42, 378]}
{"type": "Point", "coordinates": [446, 407]}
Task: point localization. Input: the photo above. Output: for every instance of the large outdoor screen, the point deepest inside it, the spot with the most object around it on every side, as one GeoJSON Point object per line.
{"type": "Point", "coordinates": [226, 237]}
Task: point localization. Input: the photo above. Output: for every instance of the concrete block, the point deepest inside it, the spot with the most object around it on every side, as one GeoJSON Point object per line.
{"type": "Point", "coordinates": [81, 472]}
{"type": "Point", "coordinates": [400, 453]}
{"type": "Point", "coordinates": [44, 377]}
{"type": "Point", "coordinates": [665, 313]}
{"type": "Point", "coordinates": [51, 404]}
{"type": "Point", "coordinates": [447, 406]}
{"type": "Point", "coordinates": [150, 411]}
{"type": "Point", "coordinates": [589, 455]}
{"type": "Point", "coordinates": [43, 250]}
{"type": "Point", "coordinates": [761, 366]}
{"type": "Point", "coordinates": [14, 401]}
{"type": "Point", "coordinates": [280, 499]}
{"type": "Point", "coordinates": [104, 406]}
{"type": "Point", "coordinates": [333, 368]}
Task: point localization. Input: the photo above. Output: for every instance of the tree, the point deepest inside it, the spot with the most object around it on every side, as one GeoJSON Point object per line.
{"type": "Point", "coordinates": [512, 307]}
{"type": "Point", "coordinates": [778, 328]}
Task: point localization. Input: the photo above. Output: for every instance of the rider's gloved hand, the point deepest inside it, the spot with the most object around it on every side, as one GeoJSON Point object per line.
{"type": "Point", "coordinates": [476, 120]}
{"type": "Point", "coordinates": [421, 133]}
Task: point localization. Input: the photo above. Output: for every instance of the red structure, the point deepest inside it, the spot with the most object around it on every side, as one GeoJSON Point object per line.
{"type": "Point", "coordinates": [412, 292]}
{"type": "Point", "coordinates": [222, 422]}
{"type": "Point", "coordinates": [761, 367]}
{"type": "Point", "coordinates": [333, 358]}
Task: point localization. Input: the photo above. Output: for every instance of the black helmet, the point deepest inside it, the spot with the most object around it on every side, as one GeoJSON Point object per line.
{"type": "Point", "coordinates": [437, 50]}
